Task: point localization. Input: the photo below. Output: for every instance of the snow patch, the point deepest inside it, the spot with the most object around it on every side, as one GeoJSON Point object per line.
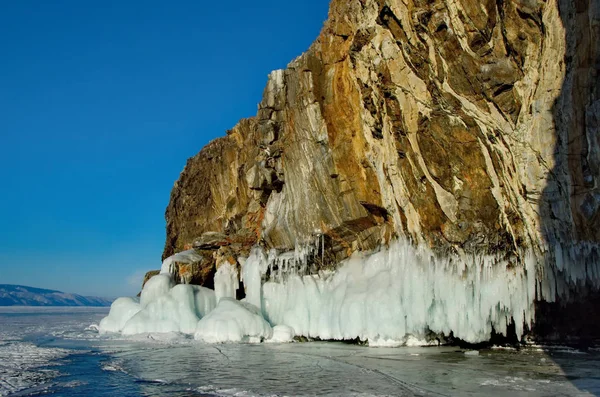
{"type": "Point", "coordinates": [23, 366]}
{"type": "Point", "coordinates": [380, 342]}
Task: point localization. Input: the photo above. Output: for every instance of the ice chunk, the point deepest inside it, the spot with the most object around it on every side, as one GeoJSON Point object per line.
{"type": "Point", "coordinates": [380, 342]}
{"type": "Point", "coordinates": [409, 341]}
{"type": "Point", "coordinates": [282, 334]}
{"type": "Point", "coordinates": [233, 321]}
{"type": "Point", "coordinates": [121, 311]}
{"type": "Point", "coordinates": [226, 281]}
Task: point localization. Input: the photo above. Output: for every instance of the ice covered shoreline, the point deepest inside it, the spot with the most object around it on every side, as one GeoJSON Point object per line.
{"type": "Point", "coordinates": [395, 296]}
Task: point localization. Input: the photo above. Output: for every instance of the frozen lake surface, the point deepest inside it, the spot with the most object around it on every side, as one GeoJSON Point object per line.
{"type": "Point", "coordinates": [45, 351]}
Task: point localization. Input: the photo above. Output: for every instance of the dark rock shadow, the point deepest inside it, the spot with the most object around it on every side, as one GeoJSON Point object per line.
{"type": "Point", "coordinates": [570, 204]}
{"type": "Point", "coordinates": [580, 368]}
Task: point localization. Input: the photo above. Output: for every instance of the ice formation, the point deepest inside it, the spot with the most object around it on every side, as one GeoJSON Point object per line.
{"type": "Point", "coordinates": [252, 271]}
{"type": "Point", "coordinates": [156, 287]}
{"type": "Point", "coordinates": [282, 334]}
{"type": "Point", "coordinates": [176, 311]}
{"type": "Point", "coordinates": [226, 281]}
{"type": "Point", "coordinates": [300, 261]}
{"type": "Point", "coordinates": [121, 311]}
{"type": "Point", "coordinates": [401, 291]}
{"type": "Point", "coordinates": [233, 321]}
{"type": "Point", "coordinates": [398, 295]}
{"type": "Point", "coordinates": [576, 264]}
{"type": "Point", "coordinates": [408, 340]}
{"type": "Point", "coordinates": [189, 256]}
{"type": "Point", "coordinates": [163, 307]}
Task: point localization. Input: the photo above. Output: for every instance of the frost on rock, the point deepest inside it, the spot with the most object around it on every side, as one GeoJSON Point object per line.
{"type": "Point", "coordinates": [226, 281]}
{"type": "Point", "coordinates": [233, 321]}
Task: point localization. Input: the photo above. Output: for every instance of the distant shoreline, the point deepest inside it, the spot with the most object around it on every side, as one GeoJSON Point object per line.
{"type": "Point", "coordinates": [25, 296]}
{"type": "Point", "coordinates": [15, 307]}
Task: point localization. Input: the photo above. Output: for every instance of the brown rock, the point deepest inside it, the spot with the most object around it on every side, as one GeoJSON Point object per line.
{"type": "Point", "coordinates": [211, 241]}
{"type": "Point", "coordinates": [200, 272]}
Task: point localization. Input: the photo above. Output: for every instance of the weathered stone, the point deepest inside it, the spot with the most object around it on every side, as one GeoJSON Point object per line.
{"type": "Point", "coordinates": [200, 272]}
{"type": "Point", "coordinates": [211, 241]}
{"type": "Point", "coordinates": [226, 255]}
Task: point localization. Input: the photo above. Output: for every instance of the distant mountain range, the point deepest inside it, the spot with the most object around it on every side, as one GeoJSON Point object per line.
{"type": "Point", "coordinates": [19, 295]}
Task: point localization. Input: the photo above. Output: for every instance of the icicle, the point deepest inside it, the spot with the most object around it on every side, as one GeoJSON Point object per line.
{"type": "Point", "coordinates": [387, 296]}
{"type": "Point", "coordinates": [226, 281]}
{"type": "Point", "coordinates": [404, 290]}
{"type": "Point", "coordinates": [322, 249]}
{"type": "Point", "coordinates": [252, 271]}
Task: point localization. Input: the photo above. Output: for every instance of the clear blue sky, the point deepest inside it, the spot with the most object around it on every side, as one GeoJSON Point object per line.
{"type": "Point", "coordinates": [101, 104]}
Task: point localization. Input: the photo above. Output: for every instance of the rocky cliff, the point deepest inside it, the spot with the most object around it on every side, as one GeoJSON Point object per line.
{"type": "Point", "coordinates": [467, 127]}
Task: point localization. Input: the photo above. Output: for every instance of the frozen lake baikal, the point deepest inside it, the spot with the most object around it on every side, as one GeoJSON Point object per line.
{"type": "Point", "coordinates": [54, 351]}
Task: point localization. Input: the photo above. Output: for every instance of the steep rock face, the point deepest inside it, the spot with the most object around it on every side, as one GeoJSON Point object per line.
{"type": "Point", "coordinates": [465, 126]}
